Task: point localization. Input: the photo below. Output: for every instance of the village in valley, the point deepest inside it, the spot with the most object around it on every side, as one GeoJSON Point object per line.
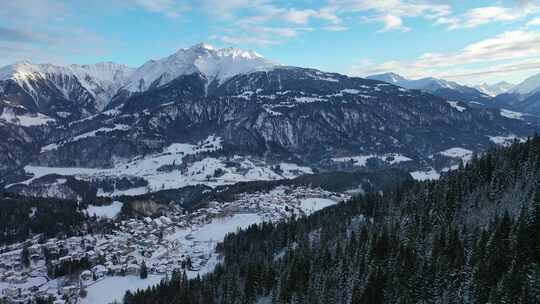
{"type": "Point", "coordinates": [141, 251]}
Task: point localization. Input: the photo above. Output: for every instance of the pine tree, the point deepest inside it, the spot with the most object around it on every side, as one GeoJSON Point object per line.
{"type": "Point", "coordinates": [25, 256]}
{"type": "Point", "coordinates": [143, 271]}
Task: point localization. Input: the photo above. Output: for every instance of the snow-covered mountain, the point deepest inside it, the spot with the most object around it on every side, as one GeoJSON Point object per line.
{"type": "Point", "coordinates": [428, 84]}
{"type": "Point", "coordinates": [49, 86]}
{"type": "Point", "coordinates": [215, 64]}
{"type": "Point", "coordinates": [256, 108]}
{"type": "Point", "coordinates": [528, 86]}
{"type": "Point", "coordinates": [523, 97]}
{"type": "Point", "coordinates": [439, 87]}
{"type": "Point", "coordinates": [101, 81]}
{"type": "Point", "coordinates": [495, 89]}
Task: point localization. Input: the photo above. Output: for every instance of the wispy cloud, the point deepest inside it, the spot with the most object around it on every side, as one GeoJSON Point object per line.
{"type": "Point", "coordinates": [169, 8]}
{"type": "Point", "coordinates": [514, 47]}
{"type": "Point", "coordinates": [17, 35]}
{"type": "Point", "coordinates": [391, 13]}
{"type": "Point", "coordinates": [336, 28]}
{"type": "Point", "coordinates": [483, 15]}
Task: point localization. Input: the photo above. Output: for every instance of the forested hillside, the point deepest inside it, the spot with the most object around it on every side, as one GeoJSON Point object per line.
{"type": "Point", "coordinates": [471, 237]}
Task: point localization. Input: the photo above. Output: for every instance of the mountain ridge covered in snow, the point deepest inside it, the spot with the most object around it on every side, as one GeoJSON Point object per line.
{"type": "Point", "coordinates": [495, 89]}
{"type": "Point", "coordinates": [103, 80]}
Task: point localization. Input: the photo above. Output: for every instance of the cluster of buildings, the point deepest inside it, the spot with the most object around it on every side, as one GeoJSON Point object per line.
{"type": "Point", "coordinates": [162, 244]}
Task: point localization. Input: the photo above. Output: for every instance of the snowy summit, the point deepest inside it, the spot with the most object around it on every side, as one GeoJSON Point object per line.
{"type": "Point", "coordinates": [215, 64]}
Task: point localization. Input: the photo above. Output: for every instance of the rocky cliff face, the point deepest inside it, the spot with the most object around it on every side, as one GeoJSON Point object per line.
{"type": "Point", "coordinates": [278, 113]}
{"type": "Point", "coordinates": [289, 111]}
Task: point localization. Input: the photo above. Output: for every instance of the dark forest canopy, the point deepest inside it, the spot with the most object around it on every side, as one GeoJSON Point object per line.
{"type": "Point", "coordinates": [471, 237]}
{"type": "Point", "coordinates": [22, 217]}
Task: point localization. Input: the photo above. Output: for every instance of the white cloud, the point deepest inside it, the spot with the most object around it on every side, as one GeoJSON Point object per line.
{"type": "Point", "coordinates": [483, 15]}
{"type": "Point", "coordinates": [392, 22]}
{"type": "Point", "coordinates": [391, 12]}
{"type": "Point", "coordinates": [303, 16]}
{"type": "Point", "coordinates": [242, 39]}
{"type": "Point", "coordinates": [336, 28]}
{"type": "Point", "coordinates": [299, 16]}
{"type": "Point", "coordinates": [508, 51]}
{"type": "Point", "coordinates": [534, 22]}
{"type": "Point", "coordinates": [169, 8]}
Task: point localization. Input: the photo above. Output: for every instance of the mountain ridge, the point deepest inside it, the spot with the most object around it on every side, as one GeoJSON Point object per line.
{"type": "Point", "coordinates": [280, 114]}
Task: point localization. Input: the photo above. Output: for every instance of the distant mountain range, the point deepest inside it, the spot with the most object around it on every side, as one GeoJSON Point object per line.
{"type": "Point", "coordinates": [108, 115]}
{"type": "Point", "coordinates": [439, 87]}
{"type": "Point", "coordinates": [494, 89]}
{"type": "Point", "coordinates": [523, 97]}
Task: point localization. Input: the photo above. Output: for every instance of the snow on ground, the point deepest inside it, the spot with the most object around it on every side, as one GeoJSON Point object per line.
{"type": "Point", "coordinates": [505, 140]}
{"type": "Point", "coordinates": [458, 152]}
{"type": "Point", "coordinates": [431, 174]}
{"type": "Point", "coordinates": [93, 133]}
{"type": "Point", "coordinates": [305, 99]}
{"type": "Point", "coordinates": [350, 91]}
{"type": "Point", "coordinates": [109, 211]}
{"type": "Point", "coordinates": [196, 172]}
{"type": "Point", "coordinates": [114, 287]}
{"type": "Point", "coordinates": [361, 160]}
{"type": "Point", "coordinates": [33, 281]}
{"type": "Point", "coordinates": [201, 239]}
{"type": "Point", "coordinates": [25, 120]}
{"type": "Point", "coordinates": [511, 114]}
{"type": "Point", "coordinates": [454, 104]}
{"type": "Point", "coordinates": [310, 205]}
{"type": "Point", "coordinates": [219, 228]}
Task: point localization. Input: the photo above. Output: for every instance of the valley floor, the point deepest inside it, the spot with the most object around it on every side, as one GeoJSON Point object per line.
{"type": "Point", "coordinates": [173, 241]}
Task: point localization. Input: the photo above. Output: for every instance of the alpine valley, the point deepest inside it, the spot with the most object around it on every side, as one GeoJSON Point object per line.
{"type": "Point", "coordinates": [133, 184]}
{"type": "Point", "coordinates": [218, 116]}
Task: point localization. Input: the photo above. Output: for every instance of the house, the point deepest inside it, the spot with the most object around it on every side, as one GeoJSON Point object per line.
{"type": "Point", "coordinates": [132, 269]}
{"type": "Point", "coordinates": [11, 292]}
{"type": "Point", "coordinates": [69, 291]}
{"type": "Point", "coordinates": [99, 271]}
{"type": "Point", "coordinates": [86, 276]}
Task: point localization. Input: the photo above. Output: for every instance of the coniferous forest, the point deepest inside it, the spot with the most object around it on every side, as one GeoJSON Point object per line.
{"type": "Point", "coordinates": [470, 237]}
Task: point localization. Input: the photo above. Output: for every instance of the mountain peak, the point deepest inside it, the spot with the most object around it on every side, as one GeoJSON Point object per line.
{"type": "Point", "coordinates": [215, 64]}
{"type": "Point", "coordinates": [528, 86]}
{"type": "Point", "coordinates": [388, 77]}
{"type": "Point", "coordinates": [495, 89]}
{"type": "Point", "coordinates": [202, 46]}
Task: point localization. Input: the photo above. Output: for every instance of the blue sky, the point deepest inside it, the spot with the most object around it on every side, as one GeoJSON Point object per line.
{"type": "Point", "coordinates": [467, 41]}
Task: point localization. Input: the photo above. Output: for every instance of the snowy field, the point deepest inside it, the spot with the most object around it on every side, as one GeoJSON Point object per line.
{"type": "Point", "coordinates": [25, 120]}
{"type": "Point", "coordinates": [455, 105]}
{"type": "Point", "coordinates": [457, 152]}
{"type": "Point", "coordinates": [506, 141]}
{"type": "Point", "coordinates": [431, 174]}
{"type": "Point", "coordinates": [108, 211]}
{"type": "Point", "coordinates": [113, 288]}
{"type": "Point", "coordinates": [199, 172]}
{"type": "Point", "coordinates": [310, 205]}
{"type": "Point", "coordinates": [512, 114]}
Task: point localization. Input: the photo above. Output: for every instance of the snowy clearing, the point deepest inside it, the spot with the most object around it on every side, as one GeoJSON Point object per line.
{"type": "Point", "coordinates": [506, 141]}
{"type": "Point", "coordinates": [113, 288]}
{"type": "Point", "coordinates": [454, 104]}
{"type": "Point", "coordinates": [25, 120]}
{"type": "Point", "coordinates": [457, 152]}
{"type": "Point", "coordinates": [310, 205]}
{"type": "Point", "coordinates": [431, 174]}
{"type": "Point", "coordinates": [166, 170]}
{"type": "Point", "coordinates": [512, 114]}
{"type": "Point", "coordinates": [110, 211]}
